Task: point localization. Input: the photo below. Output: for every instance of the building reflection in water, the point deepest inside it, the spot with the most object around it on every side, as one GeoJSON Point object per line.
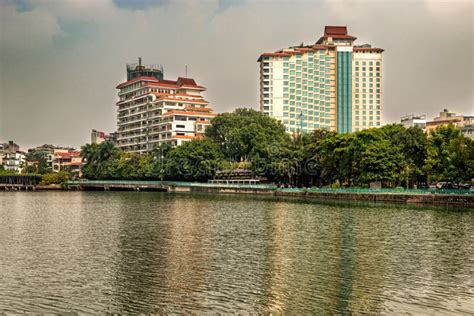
{"type": "Point", "coordinates": [129, 252]}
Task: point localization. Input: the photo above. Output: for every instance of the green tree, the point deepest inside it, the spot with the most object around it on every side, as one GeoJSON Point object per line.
{"type": "Point", "coordinates": [412, 143]}
{"type": "Point", "coordinates": [196, 160]}
{"type": "Point", "coordinates": [450, 155]}
{"type": "Point", "coordinates": [238, 133]}
{"type": "Point", "coordinates": [97, 158]}
{"type": "Point", "coordinates": [54, 178]}
{"type": "Point", "coordinates": [38, 163]}
{"type": "Point", "coordinates": [380, 162]}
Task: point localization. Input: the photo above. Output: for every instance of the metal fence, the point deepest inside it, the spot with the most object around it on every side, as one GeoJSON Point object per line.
{"type": "Point", "coordinates": [172, 183]}
{"type": "Point", "coordinates": [385, 191]}
{"type": "Point", "coordinates": [271, 187]}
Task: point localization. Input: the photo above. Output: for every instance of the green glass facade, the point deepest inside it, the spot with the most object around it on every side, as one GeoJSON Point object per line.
{"type": "Point", "coordinates": [306, 91]}
{"type": "Point", "coordinates": [344, 92]}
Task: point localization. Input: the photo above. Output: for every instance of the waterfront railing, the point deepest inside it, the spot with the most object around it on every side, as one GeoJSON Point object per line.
{"type": "Point", "coordinates": [268, 187]}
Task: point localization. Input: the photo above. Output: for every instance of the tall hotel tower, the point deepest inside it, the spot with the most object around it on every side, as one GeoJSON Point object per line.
{"type": "Point", "coordinates": [152, 110]}
{"type": "Point", "coordinates": [332, 84]}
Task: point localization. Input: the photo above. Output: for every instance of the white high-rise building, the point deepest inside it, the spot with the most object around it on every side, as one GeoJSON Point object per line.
{"type": "Point", "coordinates": [152, 110]}
{"type": "Point", "coordinates": [332, 84]}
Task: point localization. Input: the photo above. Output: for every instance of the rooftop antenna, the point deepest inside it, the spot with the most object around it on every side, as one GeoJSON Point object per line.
{"type": "Point", "coordinates": [139, 62]}
{"type": "Point", "coordinates": [186, 71]}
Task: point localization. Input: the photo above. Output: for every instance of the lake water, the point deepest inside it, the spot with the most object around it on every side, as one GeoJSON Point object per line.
{"type": "Point", "coordinates": [93, 252]}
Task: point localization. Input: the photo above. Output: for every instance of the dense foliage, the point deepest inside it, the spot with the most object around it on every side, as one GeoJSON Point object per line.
{"type": "Point", "coordinates": [392, 155]}
{"type": "Point", "coordinates": [54, 178]}
{"type": "Point", "coordinates": [39, 163]}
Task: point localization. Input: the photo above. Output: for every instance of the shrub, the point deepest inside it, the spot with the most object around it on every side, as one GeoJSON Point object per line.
{"type": "Point", "coordinates": [55, 178]}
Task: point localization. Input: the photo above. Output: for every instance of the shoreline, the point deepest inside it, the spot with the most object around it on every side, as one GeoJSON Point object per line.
{"type": "Point", "coordinates": [403, 197]}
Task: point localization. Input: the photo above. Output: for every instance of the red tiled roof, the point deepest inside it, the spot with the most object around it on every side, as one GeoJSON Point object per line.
{"type": "Point", "coordinates": [182, 136]}
{"type": "Point", "coordinates": [142, 78]}
{"type": "Point", "coordinates": [350, 37]}
{"type": "Point", "coordinates": [73, 163]}
{"type": "Point", "coordinates": [297, 51]}
{"type": "Point", "coordinates": [162, 84]}
{"type": "Point", "coordinates": [453, 120]}
{"type": "Point", "coordinates": [368, 49]}
{"type": "Point", "coordinates": [203, 122]}
{"type": "Point", "coordinates": [181, 82]}
{"type": "Point", "coordinates": [73, 154]}
{"type": "Point", "coordinates": [186, 81]}
{"type": "Point", "coordinates": [162, 94]}
{"type": "Point", "coordinates": [319, 46]}
{"type": "Point", "coordinates": [335, 30]}
{"type": "Point", "coordinates": [193, 108]}
{"type": "Point", "coordinates": [182, 100]}
{"type": "Point", "coordinates": [173, 112]}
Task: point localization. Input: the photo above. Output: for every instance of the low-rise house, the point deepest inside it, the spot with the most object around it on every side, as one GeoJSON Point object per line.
{"type": "Point", "coordinates": [446, 118]}
{"type": "Point", "coordinates": [65, 160]}
{"type": "Point", "coordinates": [12, 158]}
{"type": "Point", "coordinates": [414, 121]}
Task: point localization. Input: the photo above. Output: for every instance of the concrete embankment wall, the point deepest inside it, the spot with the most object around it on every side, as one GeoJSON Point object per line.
{"type": "Point", "coordinates": [223, 190]}
{"type": "Point", "coordinates": [465, 200]}
{"type": "Point", "coordinates": [434, 199]}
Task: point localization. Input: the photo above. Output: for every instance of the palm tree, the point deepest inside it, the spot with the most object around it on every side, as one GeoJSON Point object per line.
{"type": "Point", "coordinates": [89, 153]}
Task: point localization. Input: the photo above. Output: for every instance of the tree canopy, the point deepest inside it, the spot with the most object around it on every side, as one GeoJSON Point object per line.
{"type": "Point", "coordinates": [238, 133]}
{"type": "Point", "coordinates": [392, 154]}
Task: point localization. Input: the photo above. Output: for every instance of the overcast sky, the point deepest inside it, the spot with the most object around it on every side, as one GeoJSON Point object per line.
{"type": "Point", "coordinates": [61, 60]}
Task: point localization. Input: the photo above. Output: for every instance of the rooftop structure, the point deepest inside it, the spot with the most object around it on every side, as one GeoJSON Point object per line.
{"type": "Point", "coordinates": [135, 70]}
{"type": "Point", "coordinates": [445, 117]}
{"type": "Point", "coordinates": [414, 120]}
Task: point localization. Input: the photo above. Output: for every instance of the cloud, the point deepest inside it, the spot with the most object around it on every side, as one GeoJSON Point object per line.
{"type": "Point", "coordinates": [139, 4]}
{"type": "Point", "coordinates": [223, 5]}
{"type": "Point", "coordinates": [20, 5]}
{"type": "Point", "coordinates": [73, 31]}
{"type": "Point", "coordinates": [61, 60]}
{"type": "Point", "coordinates": [23, 31]}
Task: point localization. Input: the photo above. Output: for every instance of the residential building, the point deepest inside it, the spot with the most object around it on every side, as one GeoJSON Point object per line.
{"type": "Point", "coordinates": [65, 160]}
{"type": "Point", "coordinates": [468, 130]}
{"type": "Point", "coordinates": [12, 158]}
{"type": "Point", "coordinates": [152, 110]}
{"type": "Point", "coordinates": [414, 120]}
{"type": "Point", "coordinates": [460, 121]}
{"type": "Point", "coordinates": [98, 137]}
{"type": "Point", "coordinates": [331, 84]}
{"type": "Point", "coordinates": [59, 158]}
{"type": "Point", "coordinates": [14, 161]}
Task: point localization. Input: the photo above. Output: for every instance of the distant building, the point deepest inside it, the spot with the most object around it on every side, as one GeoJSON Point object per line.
{"type": "Point", "coordinates": [1, 155]}
{"type": "Point", "coordinates": [98, 137]}
{"type": "Point", "coordinates": [468, 130]}
{"type": "Point", "coordinates": [12, 158]}
{"type": "Point", "coordinates": [332, 84]}
{"type": "Point", "coordinates": [414, 121]}
{"type": "Point", "coordinates": [46, 148]}
{"type": "Point", "coordinates": [152, 110]}
{"type": "Point", "coordinates": [460, 121]}
{"type": "Point", "coordinates": [59, 158]}
{"type": "Point", "coordinates": [65, 160]}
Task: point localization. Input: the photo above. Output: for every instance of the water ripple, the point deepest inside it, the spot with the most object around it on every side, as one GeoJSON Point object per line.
{"type": "Point", "coordinates": [110, 252]}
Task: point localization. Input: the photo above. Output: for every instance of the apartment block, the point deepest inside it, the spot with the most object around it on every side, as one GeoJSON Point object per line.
{"type": "Point", "coordinates": [152, 110]}
{"type": "Point", "coordinates": [331, 84]}
{"type": "Point", "coordinates": [11, 157]}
